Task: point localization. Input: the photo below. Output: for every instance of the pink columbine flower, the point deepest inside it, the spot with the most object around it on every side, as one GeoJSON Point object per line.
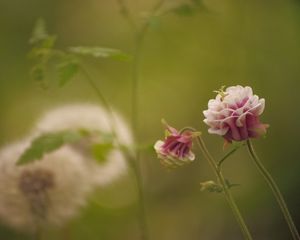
{"type": "Point", "coordinates": [175, 150]}
{"type": "Point", "coordinates": [234, 114]}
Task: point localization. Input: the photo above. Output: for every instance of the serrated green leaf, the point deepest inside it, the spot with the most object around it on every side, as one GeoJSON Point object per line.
{"type": "Point", "coordinates": [100, 52]}
{"type": "Point", "coordinates": [67, 71]}
{"type": "Point", "coordinates": [46, 143]}
{"type": "Point", "coordinates": [100, 151]}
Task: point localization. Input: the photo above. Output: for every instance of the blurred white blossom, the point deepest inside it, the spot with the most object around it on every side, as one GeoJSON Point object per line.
{"type": "Point", "coordinates": [93, 118]}
{"type": "Point", "coordinates": [48, 192]}
{"type": "Point", "coordinates": [51, 190]}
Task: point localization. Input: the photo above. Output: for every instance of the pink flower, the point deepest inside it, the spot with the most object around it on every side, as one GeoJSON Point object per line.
{"type": "Point", "coordinates": [234, 114]}
{"type": "Point", "coordinates": [175, 150]}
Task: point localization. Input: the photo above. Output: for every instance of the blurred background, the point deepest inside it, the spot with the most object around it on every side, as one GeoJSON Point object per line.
{"type": "Point", "coordinates": [185, 57]}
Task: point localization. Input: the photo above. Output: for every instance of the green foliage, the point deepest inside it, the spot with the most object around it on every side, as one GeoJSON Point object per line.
{"type": "Point", "coordinates": [100, 52]}
{"type": "Point", "coordinates": [39, 32]}
{"type": "Point", "coordinates": [66, 62]}
{"type": "Point", "coordinates": [49, 142]}
{"type": "Point", "coordinates": [67, 70]}
{"type": "Point", "coordinates": [100, 151]}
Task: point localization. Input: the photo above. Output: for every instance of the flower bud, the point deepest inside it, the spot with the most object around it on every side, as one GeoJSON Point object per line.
{"type": "Point", "coordinates": [210, 186]}
{"type": "Point", "coordinates": [175, 150]}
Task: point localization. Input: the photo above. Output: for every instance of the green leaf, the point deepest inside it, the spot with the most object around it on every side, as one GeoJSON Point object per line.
{"type": "Point", "coordinates": [41, 36]}
{"type": "Point", "coordinates": [39, 32]}
{"type": "Point", "coordinates": [67, 71]}
{"type": "Point", "coordinates": [47, 143]}
{"type": "Point", "coordinates": [48, 42]}
{"type": "Point", "coordinates": [100, 52]}
{"type": "Point", "coordinates": [100, 151]}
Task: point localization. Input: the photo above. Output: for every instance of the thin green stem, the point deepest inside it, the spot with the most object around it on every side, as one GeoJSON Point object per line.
{"type": "Point", "coordinates": [133, 165]}
{"type": "Point", "coordinates": [102, 99]}
{"type": "Point", "coordinates": [226, 189]}
{"type": "Point", "coordinates": [227, 155]}
{"type": "Point", "coordinates": [139, 35]}
{"type": "Point", "coordinates": [135, 128]}
{"type": "Point", "coordinates": [272, 184]}
{"type": "Point", "coordinates": [138, 40]}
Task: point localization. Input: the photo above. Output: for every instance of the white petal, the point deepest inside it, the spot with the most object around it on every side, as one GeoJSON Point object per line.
{"type": "Point", "coordinates": [158, 145]}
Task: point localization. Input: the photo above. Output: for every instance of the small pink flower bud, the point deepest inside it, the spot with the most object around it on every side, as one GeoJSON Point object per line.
{"type": "Point", "coordinates": [234, 114]}
{"type": "Point", "coordinates": [175, 150]}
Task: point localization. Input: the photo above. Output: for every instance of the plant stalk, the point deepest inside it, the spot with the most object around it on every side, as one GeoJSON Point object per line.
{"type": "Point", "coordinates": [139, 35]}
{"type": "Point", "coordinates": [226, 189]}
{"type": "Point", "coordinates": [275, 189]}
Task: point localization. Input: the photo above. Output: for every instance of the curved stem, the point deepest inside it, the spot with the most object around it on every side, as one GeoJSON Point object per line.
{"type": "Point", "coordinates": [227, 155]}
{"type": "Point", "coordinates": [270, 181]}
{"type": "Point", "coordinates": [102, 99]}
{"type": "Point", "coordinates": [135, 166]}
{"type": "Point", "coordinates": [226, 189]}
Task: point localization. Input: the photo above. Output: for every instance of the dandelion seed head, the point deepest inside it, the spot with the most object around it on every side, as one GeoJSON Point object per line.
{"type": "Point", "coordinates": [48, 192]}
{"type": "Point", "coordinates": [93, 118]}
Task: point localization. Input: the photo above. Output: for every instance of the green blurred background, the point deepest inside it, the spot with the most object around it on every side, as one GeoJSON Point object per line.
{"type": "Point", "coordinates": [184, 59]}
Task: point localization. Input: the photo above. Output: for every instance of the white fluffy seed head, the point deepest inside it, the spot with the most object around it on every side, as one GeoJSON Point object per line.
{"type": "Point", "coordinates": [93, 118]}
{"type": "Point", "coordinates": [48, 192]}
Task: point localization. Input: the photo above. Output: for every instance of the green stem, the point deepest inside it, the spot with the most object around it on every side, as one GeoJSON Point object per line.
{"type": "Point", "coordinates": [226, 190]}
{"type": "Point", "coordinates": [135, 128]}
{"type": "Point", "coordinates": [232, 151]}
{"type": "Point", "coordinates": [102, 99]}
{"type": "Point", "coordinates": [139, 35]}
{"type": "Point", "coordinates": [270, 181]}
{"type": "Point", "coordinates": [134, 166]}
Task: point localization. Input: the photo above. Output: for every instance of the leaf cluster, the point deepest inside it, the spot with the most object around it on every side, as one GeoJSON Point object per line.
{"type": "Point", "coordinates": [66, 63]}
